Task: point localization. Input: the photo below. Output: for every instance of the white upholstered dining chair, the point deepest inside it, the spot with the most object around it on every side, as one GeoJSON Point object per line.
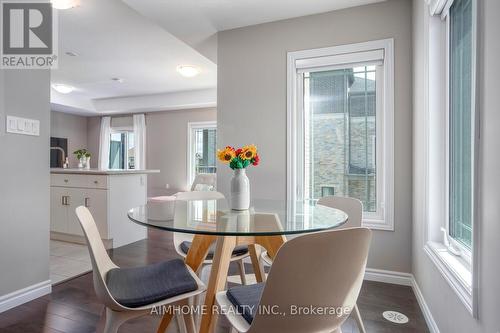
{"type": "Point", "coordinates": [133, 292]}
{"type": "Point", "coordinates": [331, 281]}
{"type": "Point", "coordinates": [354, 210]}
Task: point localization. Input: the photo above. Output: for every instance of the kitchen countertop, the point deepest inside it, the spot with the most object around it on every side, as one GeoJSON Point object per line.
{"type": "Point", "coordinates": [101, 172]}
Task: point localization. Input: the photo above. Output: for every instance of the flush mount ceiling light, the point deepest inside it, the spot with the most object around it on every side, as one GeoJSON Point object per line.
{"type": "Point", "coordinates": [188, 71]}
{"type": "Point", "coordinates": [65, 4]}
{"type": "Point", "coordinates": [63, 88]}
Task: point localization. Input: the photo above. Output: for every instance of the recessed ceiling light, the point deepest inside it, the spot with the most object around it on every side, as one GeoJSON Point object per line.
{"type": "Point", "coordinates": [188, 71]}
{"type": "Point", "coordinates": [65, 4]}
{"type": "Point", "coordinates": [63, 88]}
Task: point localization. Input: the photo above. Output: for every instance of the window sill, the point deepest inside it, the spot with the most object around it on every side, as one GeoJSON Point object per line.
{"type": "Point", "coordinates": [377, 224]}
{"type": "Point", "coordinates": [456, 271]}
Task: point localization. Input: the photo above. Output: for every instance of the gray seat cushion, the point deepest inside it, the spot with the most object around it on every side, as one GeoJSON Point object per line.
{"type": "Point", "coordinates": [246, 299]}
{"type": "Point", "coordinates": [139, 286]}
{"type": "Point", "coordinates": [238, 250]}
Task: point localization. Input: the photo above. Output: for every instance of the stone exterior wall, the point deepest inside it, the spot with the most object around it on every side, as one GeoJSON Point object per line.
{"type": "Point", "coordinates": [331, 164]}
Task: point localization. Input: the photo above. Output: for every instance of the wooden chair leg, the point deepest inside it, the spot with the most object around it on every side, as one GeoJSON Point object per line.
{"type": "Point", "coordinates": [243, 276]}
{"type": "Point", "coordinates": [359, 320]}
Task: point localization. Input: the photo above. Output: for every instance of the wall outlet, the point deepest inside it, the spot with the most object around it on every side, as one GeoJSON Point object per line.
{"type": "Point", "coordinates": [24, 126]}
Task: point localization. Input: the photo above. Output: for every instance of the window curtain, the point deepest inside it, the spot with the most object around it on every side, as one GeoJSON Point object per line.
{"type": "Point", "coordinates": [140, 141]}
{"type": "Point", "coordinates": [104, 141]}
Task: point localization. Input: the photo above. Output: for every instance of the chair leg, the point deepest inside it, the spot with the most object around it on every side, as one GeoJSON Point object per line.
{"type": "Point", "coordinates": [359, 321]}
{"type": "Point", "coordinates": [188, 319]}
{"type": "Point", "coordinates": [115, 319]}
{"type": "Point", "coordinates": [181, 324]}
{"type": "Point", "coordinates": [243, 276]}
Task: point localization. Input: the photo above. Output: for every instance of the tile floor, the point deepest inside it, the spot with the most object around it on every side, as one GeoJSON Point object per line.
{"type": "Point", "coordinates": [68, 260]}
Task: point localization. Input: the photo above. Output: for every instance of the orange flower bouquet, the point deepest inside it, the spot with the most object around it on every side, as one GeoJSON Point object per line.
{"type": "Point", "coordinates": [239, 158]}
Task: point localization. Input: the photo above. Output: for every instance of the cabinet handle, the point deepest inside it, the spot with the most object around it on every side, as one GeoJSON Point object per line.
{"type": "Point", "coordinates": [66, 180]}
{"type": "Point", "coordinates": [87, 202]}
{"type": "Point", "coordinates": [63, 200]}
{"type": "Point", "coordinates": [96, 182]}
{"type": "Point", "coordinates": [68, 200]}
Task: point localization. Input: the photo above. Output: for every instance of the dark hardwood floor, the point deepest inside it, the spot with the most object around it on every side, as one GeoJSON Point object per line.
{"type": "Point", "coordinates": [72, 307]}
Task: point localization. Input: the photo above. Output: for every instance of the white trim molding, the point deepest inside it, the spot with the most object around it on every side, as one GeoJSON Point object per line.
{"type": "Point", "coordinates": [25, 295]}
{"type": "Point", "coordinates": [404, 279]}
{"type": "Point", "coordinates": [380, 52]}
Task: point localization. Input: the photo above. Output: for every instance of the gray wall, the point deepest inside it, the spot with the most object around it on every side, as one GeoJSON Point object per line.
{"type": "Point", "coordinates": [72, 127]}
{"type": "Point", "coordinates": [167, 147]}
{"type": "Point", "coordinates": [252, 102]}
{"type": "Point", "coordinates": [166, 144]}
{"type": "Point", "coordinates": [448, 311]}
{"type": "Point", "coordinates": [24, 179]}
{"type": "Point", "coordinates": [93, 134]}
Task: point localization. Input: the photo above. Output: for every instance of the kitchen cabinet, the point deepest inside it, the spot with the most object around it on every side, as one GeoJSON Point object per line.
{"type": "Point", "coordinates": [107, 194]}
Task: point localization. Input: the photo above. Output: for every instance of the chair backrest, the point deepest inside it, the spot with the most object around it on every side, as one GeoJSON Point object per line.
{"type": "Point", "coordinates": [101, 262]}
{"type": "Point", "coordinates": [321, 270]}
{"type": "Point", "coordinates": [208, 179]}
{"type": "Point", "coordinates": [199, 195]}
{"type": "Point", "coordinates": [351, 206]}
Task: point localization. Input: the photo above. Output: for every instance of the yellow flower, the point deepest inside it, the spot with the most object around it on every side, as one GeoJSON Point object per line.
{"type": "Point", "coordinates": [248, 152]}
{"type": "Point", "coordinates": [226, 155]}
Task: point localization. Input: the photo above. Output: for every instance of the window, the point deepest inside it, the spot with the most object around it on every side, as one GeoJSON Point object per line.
{"type": "Point", "coordinates": [202, 148]}
{"type": "Point", "coordinates": [340, 126]}
{"type": "Point", "coordinates": [450, 122]}
{"type": "Point", "coordinates": [461, 123]}
{"type": "Point", "coordinates": [121, 150]}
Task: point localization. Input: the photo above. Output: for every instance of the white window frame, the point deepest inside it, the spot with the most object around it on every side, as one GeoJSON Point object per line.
{"type": "Point", "coordinates": [190, 157]}
{"type": "Point", "coordinates": [384, 114]}
{"type": "Point", "coordinates": [121, 130]}
{"type": "Point", "coordinates": [457, 264]}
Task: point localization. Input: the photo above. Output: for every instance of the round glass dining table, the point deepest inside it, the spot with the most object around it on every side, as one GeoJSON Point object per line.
{"type": "Point", "coordinates": [211, 220]}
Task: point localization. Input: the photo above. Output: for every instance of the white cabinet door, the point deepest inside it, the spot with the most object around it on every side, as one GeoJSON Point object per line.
{"type": "Point", "coordinates": [58, 210]}
{"type": "Point", "coordinates": [76, 198]}
{"type": "Point", "coordinates": [97, 202]}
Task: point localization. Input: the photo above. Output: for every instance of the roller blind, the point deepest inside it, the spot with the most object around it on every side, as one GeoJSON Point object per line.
{"type": "Point", "coordinates": [339, 61]}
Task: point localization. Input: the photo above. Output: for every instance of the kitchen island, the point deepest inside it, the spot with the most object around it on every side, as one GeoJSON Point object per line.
{"type": "Point", "coordinates": [108, 194]}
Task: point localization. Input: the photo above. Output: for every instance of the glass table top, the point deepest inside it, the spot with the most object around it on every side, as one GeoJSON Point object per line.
{"type": "Point", "coordinates": [214, 217]}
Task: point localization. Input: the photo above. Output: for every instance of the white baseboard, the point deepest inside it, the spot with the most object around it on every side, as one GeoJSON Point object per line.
{"type": "Point", "coordinates": [429, 319]}
{"type": "Point", "coordinates": [380, 275]}
{"type": "Point", "coordinates": [24, 295]}
{"type": "Point", "coordinates": [404, 279]}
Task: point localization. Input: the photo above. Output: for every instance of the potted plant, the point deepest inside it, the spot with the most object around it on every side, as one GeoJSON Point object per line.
{"type": "Point", "coordinates": [83, 157]}
{"type": "Point", "coordinates": [239, 160]}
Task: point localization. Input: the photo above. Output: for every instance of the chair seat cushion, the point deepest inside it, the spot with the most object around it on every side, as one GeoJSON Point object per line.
{"type": "Point", "coordinates": [139, 286]}
{"type": "Point", "coordinates": [238, 250]}
{"type": "Point", "coordinates": [246, 299]}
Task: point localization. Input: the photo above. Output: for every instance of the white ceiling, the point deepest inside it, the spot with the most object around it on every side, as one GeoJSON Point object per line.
{"type": "Point", "coordinates": [143, 41]}
{"type": "Point", "coordinates": [113, 40]}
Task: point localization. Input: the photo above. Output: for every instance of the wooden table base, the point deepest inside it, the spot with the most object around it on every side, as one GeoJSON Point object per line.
{"type": "Point", "coordinates": [220, 267]}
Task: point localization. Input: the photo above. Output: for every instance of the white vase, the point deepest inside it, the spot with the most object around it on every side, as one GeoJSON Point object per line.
{"type": "Point", "coordinates": [81, 162]}
{"type": "Point", "coordinates": [87, 162]}
{"type": "Point", "coordinates": [240, 190]}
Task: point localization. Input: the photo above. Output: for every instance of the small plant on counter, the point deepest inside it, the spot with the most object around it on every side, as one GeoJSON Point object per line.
{"type": "Point", "coordinates": [81, 153]}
